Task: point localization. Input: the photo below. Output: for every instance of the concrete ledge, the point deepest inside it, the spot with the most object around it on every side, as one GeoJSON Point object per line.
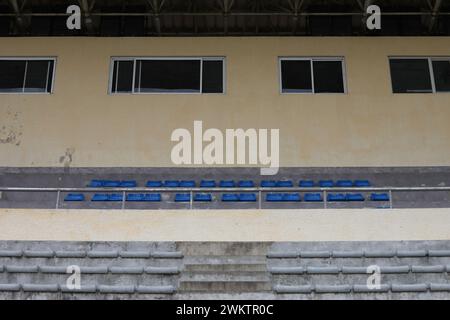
{"type": "Point", "coordinates": [225, 225]}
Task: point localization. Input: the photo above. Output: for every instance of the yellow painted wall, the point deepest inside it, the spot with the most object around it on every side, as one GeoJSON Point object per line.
{"type": "Point", "coordinates": [81, 125]}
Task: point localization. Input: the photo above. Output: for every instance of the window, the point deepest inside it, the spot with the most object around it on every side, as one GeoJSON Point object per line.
{"type": "Point", "coordinates": [420, 75]}
{"type": "Point", "coordinates": [167, 75]}
{"type": "Point", "coordinates": [21, 75]}
{"type": "Point", "coordinates": [312, 75]}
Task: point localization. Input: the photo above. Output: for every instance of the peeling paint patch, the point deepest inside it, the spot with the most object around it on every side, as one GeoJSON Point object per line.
{"type": "Point", "coordinates": [67, 158]}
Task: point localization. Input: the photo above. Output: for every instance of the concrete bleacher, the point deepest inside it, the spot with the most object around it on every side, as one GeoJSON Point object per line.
{"type": "Point", "coordinates": [225, 270]}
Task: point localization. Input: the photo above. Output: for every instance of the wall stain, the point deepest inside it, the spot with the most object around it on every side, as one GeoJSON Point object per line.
{"type": "Point", "coordinates": [67, 158]}
{"type": "Point", "coordinates": [10, 128]}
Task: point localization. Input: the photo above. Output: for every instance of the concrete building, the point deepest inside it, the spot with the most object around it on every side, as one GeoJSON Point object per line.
{"type": "Point", "coordinates": [86, 126]}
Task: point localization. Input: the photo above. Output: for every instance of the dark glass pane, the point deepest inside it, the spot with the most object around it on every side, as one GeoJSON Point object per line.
{"type": "Point", "coordinates": [50, 76]}
{"type": "Point", "coordinates": [212, 76]}
{"type": "Point", "coordinates": [122, 81]}
{"type": "Point", "coordinates": [36, 76]}
{"type": "Point", "coordinates": [410, 76]}
{"type": "Point", "coordinates": [328, 77]}
{"type": "Point", "coordinates": [12, 75]}
{"type": "Point", "coordinates": [169, 76]}
{"type": "Point", "coordinates": [441, 70]}
{"type": "Point", "coordinates": [296, 76]}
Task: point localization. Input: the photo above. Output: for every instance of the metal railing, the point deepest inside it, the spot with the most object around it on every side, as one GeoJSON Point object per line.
{"type": "Point", "coordinates": [259, 190]}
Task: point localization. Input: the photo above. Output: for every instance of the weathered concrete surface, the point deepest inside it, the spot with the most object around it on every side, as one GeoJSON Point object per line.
{"type": "Point", "coordinates": [225, 225]}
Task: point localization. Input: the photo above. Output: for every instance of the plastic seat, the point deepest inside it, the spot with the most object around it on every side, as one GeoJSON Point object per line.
{"type": "Point", "coordinates": [227, 184]}
{"type": "Point", "coordinates": [284, 184]}
{"type": "Point", "coordinates": [362, 183]}
{"type": "Point", "coordinates": [95, 184]}
{"type": "Point", "coordinates": [313, 197]}
{"type": "Point", "coordinates": [379, 197]}
{"type": "Point", "coordinates": [344, 183]}
{"type": "Point", "coordinates": [144, 197]}
{"type": "Point", "coordinates": [115, 197]}
{"type": "Point", "coordinates": [274, 197]}
{"type": "Point", "coordinates": [326, 183]}
{"type": "Point", "coordinates": [128, 184]}
{"type": "Point", "coordinates": [207, 184]}
{"type": "Point", "coordinates": [111, 184]}
{"type": "Point", "coordinates": [182, 197]}
{"type": "Point", "coordinates": [336, 197]}
{"type": "Point", "coordinates": [107, 197]}
{"type": "Point", "coordinates": [306, 184]}
{"type": "Point", "coordinates": [154, 184]}
{"type": "Point", "coordinates": [268, 184]}
{"type": "Point", "coordinates": [171, 184]}
{"type": "Point", "coordinates": [246, 184]}
{"type": "Point", "coordinates": [74, 197]}
{"type": "Point", "coordinates": [230, 197]}
{"type": "Point", "coordinates": [247, 197]}
{"type": "Point", "coordinates": [291, 197]}
{"type": "Point", "coordinates": [354, 197]}
{"type": "Point", "coordinates": [99, 197]}
{"type": "Point", "coordinates": [203, 197]}
{"type": "Point", "coordinates": [187, 184]}
{"type": "Point", "coordinates": [104, 184]}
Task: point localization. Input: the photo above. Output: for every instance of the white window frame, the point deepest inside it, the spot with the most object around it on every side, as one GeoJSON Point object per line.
{"type": "Point", "coordinates": [24, 78]}
{"type": "Point", "coordinates": [311, 60]}
{"type": "Point", "coordinates": [430, 60]}
{"type": "Point", "coordinates": [134, 59]}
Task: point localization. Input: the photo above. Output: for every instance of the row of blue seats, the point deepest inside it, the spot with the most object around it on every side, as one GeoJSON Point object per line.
{"type": "Point", "coordinates": [230, 197]}
{"type": "Point", "coordinates": [230, 184]}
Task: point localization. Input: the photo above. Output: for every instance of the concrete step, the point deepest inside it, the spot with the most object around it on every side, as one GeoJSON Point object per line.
{"type": "Point", "coordinates": [221, 259]}
{"type": "Point", "coordinates": [224, 248]}
{"type": "Point", "coordinates": [225, 286]}
{"type": "Point", "coordinates": [227, 267]}
{"type": "Point", "coordinates": [225, 276]}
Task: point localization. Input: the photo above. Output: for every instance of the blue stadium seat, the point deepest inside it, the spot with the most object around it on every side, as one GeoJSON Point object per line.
{"type": "Point", "coordinates": [99, 197]}
{"type": "Point", "coordinates": [344, 183]}
{"type": "Point", "coordinates": [354, 197]}
{"type": "Point", "coordinates": [274, 197]}
{"type": "Point", "coordinates": [128, 184]}
{"type": "Point", "coordinates": [187, 184]}
{"type": "Point", "coordinates": [182, 197]}
{"type": "Point", "coordinates": [207, 184]}
{"type": "Point", "coordinates": [379, 197]}
{"type": "Point", "coordinates": [154, 184]}
{"type": "Point", "coordinates": [246, 184]}
{"type": "Point", "coordinates": [74, 197]}
{"type": "Point", "coordinates": [306, 184]}
{"type": "Point", "coordinates": [284, 184]}
{"type": "Point", "coordinates": [247, 197]}
{"type": "Point", "coordinates": [171, 184]}
{"type": "Point", "coordinates": [283, 197]}
{"type": "Point", "coordinates": [107, 197]}
{"type": "Point", "coordinates": [337, 197]}
{"type": "Point", "coordinates": [144, 197]}
{"type": "Point", "coordinates": [203, 197]}
{"type": "Point", "coordinates": [95, 184]}
{"type": "Point", "coordinates": [268, 184]}
{"type": "Point", "coordinates": [362, 183]}
{"type": "Point", "coordinates": [326, 183]}
{"type": "Point", "coordinates": [291, 197]}
{"type": "Point", "coordinates": [111, 184]}
{"type": "Point", "coordinates": [227, 184]}
{"type": "Point", "coordinates": [104, 184]}
{"type": "Point", "coordinates": [313, 197]}
{"type": "Point", "coordinates": [230, 197]}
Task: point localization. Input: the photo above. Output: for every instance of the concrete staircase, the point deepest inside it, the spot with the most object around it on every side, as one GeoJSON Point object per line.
{"type": "Point", "coordinates": [224, 269]}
